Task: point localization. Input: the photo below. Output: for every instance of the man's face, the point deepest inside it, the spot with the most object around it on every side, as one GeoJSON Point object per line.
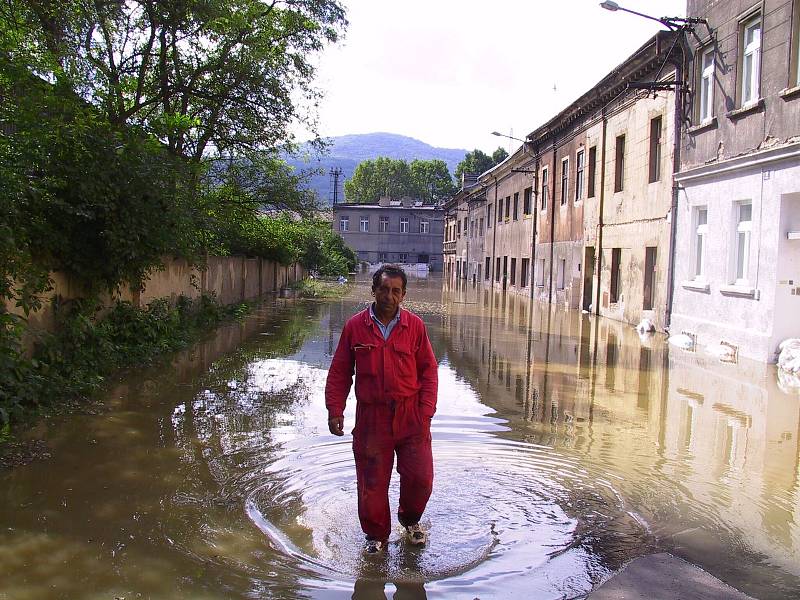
{"type": "Point", "coordinates": [389, 294]}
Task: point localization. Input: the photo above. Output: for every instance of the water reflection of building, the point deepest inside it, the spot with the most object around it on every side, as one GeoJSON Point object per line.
{"type": "Point", "coordinates": [706, 453]}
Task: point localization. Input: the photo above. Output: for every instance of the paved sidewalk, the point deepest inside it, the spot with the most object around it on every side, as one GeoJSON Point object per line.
{"type": "Point", "coordinates": [664, 577]}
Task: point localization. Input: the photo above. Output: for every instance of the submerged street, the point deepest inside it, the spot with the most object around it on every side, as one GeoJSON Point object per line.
{"type": "Point", "coordinates": [564, 446]}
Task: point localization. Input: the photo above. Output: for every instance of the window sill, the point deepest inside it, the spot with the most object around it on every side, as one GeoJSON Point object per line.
{"type": "Point", "coordinates": [704, 126]}
{"type": "Point", "coordinates": [738, 113]}
{"type": "Point", "coordinates": [740, 291]}
{"type": "Point", "coordinates": [696, 285]}
{"type": "Point", "coordinates": [789, 93]}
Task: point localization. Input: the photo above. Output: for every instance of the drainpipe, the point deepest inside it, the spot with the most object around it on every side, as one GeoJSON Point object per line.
{"type": "Point", "coordinates": [535, 209]}
{"type": "Point", "coordinates": [494, 235]}
{"type": "Point", "coordinates": [599, 255]}
{"type": "Point", "coordinates": [552, 223]}
{"type": "Point", "coordinates": [676, 166]}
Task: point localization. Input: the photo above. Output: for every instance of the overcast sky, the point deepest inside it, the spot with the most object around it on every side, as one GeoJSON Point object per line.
{"type": "Point", "coordinates": [448, 72]}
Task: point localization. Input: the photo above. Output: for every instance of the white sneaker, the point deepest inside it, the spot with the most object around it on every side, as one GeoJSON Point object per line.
{"type": "Point", "coordinates": [374, 546]}
{"type": "Point", "coordinates": [417, 536]}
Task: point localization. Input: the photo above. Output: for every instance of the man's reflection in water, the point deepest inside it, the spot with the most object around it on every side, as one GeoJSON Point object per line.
{"type": "Point", "coordinates": [370, 589]}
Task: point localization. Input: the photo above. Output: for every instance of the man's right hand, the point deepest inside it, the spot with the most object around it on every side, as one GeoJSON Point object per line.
{"type": "Point", "coordinates": [336, 425]}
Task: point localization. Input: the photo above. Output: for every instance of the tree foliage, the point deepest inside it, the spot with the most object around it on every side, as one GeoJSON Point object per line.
{"type": "Point", "coordinates": [477, 162]}
{"type": "Point", "coordinates": [427, 180]}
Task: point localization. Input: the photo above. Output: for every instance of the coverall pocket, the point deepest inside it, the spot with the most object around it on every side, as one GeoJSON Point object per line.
{"type": "Point", "coordinates": [365, 359]}
{"type": "Point", "coordinates": [406, 362]}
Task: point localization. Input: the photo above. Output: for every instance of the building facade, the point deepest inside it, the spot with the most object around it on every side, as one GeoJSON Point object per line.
{"type": "Point", "coordinates": [392, 231]}
{"type": "Point", "coordinates": [737, 279]}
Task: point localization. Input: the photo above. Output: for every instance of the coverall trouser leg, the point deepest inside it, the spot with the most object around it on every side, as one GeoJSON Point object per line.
{"type": "Point", "coordinates": [374, 447]}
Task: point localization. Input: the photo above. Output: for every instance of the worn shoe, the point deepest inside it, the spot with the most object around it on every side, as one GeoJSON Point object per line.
{"type": "Point", "coordinates": [374, 546]}
{"type": "Point", "coordinates": [417, 536]}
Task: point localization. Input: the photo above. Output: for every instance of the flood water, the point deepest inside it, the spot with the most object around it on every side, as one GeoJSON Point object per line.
{"type": "Point", "coordinates": [564, 446]}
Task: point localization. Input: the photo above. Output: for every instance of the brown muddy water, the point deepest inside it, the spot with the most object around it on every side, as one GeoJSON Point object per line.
{"type": "Point", "coordinates": [564, 446]}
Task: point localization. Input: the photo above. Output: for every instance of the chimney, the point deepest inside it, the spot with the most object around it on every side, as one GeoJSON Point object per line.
{"type": "Point", "coordinates": [468, 179]}
{"type": "Point", "coordinates": [383, 201]}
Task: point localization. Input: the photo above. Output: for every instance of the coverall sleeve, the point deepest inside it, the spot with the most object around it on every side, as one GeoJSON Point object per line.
{"type": "Point", "coordinates": [428, 373]}
{"type": "Point", "coordinates": [340, 375]}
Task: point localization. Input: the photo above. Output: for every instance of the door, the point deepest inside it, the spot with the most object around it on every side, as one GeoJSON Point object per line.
{"type": "Point", "coordinates": [649, 277]}
{"type": "Point", "coordinates": [588, 277]}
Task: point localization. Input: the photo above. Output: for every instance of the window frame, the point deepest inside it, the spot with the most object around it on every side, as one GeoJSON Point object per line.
{"type": "Point", "coordinates": [564, 180]}
{"type": "Point", "coordinates": [424, 226]}
{"type": "Point", "coordinates": [383, 224]}
{"type": "Point", "coordinates": [705, 73]}
{"type": "Point", "coordinates": [545, 191]}
{"type": "Point", "coordinates": [619, 163]}
{"type": "Point", "coordinates": [750, 89]}
{"type": "Point", "coordinates": [402, 257]}
{"type": "Point", "coordinates": [527, 200]}
{"type": "Point", "coordinates": [344, 223]}
{"type": "Point", "coordinates": [741, 259]}
{"type": "Point", "coordinates": [700, 243]}
{"type": "Point", "coordinates": [580, 168]}
{"type": "Point", "coordinates": [362, 228]}
{"type": "Point", "coordinates": [591, 178]}
{"type": "Point", "coordinates": [405, 221]}
{"type": "Point", "coordinates": [515, 208]}
{"type": "Point", "coordinates": [654, 152]}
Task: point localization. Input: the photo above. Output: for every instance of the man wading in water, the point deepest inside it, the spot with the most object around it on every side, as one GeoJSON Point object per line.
{"type": "Point", "coordinates": [396, 387]}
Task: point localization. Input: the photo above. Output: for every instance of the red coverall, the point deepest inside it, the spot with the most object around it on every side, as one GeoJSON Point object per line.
{"type": "Point", "coordinates": [396, 387]}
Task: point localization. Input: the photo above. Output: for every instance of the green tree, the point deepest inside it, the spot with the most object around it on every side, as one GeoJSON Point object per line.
{"type": "Point", "coordinates": [382, 176]}
{"type": "Point", "coordinates": [477, 162]}
{"type": "Point", "coordinates": [432, 180]}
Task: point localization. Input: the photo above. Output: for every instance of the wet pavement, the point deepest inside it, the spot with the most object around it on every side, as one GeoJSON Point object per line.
{"type": "Point", "coordinates": [565, 446]}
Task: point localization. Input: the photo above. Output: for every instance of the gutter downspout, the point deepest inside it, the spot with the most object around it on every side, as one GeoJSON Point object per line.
{"type": "Point", "coordinates": [535, 209]}
{"type": "Point", "coordinates": [676, 167]}
{"type": "Point", "coordinates": [494, 235]}
{"type": "Point", "coordinates": [599, 256]}
{"type": "Point", "coordinates": [552, 223]}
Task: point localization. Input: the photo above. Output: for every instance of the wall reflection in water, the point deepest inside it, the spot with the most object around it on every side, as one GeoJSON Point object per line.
{"type": "Point", "coordinates": [706, 452]}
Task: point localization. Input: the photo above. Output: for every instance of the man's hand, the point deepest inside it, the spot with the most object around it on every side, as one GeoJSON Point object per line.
{"type": "Point", "coordinates": [336, 425]}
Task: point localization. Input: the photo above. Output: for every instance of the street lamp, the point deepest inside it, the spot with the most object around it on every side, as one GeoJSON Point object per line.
{"type": "Point", "coordinates": [671, 23]}
{"type": "Point", "coordinates": [511, 137]}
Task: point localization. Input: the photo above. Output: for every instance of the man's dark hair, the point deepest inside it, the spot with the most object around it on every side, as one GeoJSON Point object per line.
{"type": "Point", "coordinates": [391, 271]}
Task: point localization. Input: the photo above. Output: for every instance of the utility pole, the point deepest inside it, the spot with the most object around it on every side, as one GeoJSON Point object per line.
{"type": "Point", "coordinates": [335, 173]}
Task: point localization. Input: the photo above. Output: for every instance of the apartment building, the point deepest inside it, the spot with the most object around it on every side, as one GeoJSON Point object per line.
{"type": "Point", "coordinates": [737, 278]}
{"type": "Point", "coordinates": [393, 231]}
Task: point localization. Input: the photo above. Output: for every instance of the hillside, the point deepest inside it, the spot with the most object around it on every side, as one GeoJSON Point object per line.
{"type": "Point", "coordinates": [345, 152]}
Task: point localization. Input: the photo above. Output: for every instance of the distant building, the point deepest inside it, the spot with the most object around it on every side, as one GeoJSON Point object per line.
{"type": "Point", "coordinates": [393, 231]}
{"type": "Point", "coordinates": [737, 279]}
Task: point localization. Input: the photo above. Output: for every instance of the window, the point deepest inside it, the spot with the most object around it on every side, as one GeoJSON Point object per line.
{"type": "Point", "coordinates": [527, 196]}
{"type": "Point", "coordinates": [751, 60]}
{"type": "Point", "coordinates": [564, 180]}
{"type": "Point", "coordinates": [706, 84]}
{"type": "Point", "coordinates": [488, 216]}
{"type": "Point", "coordinates": [513, 271]}
{"type": "Point", "coordinates": [619, 163]}
{"type": "Point", "coordinates": [655, 149]}
{"type": "Point", "coordinates": [508, 207]}
{"type": "Point", "coordinates": [560, 274]}
{"type": "Point", "coordinates": [616, 257]}
{"type": "Point", "coordinates": [580, 159]}
{"type": "Point", "coordinates": [423, 258]}
{"type": "Point", "coordinates": [472, 229]}
{"type": "Point", "coordinates": [403, 257]}
{"type": "Point", "coordinates": [465, 225]}
{"type": "Point", "coordinates": [486, 269]}
{"type": "Point", "coordinates": [423, 226]}
{"type": "Point", "coordinates": [516, 206]}
{"type": "Point", "coordinates": [500, 210]}
{"type": "Point", "coordinates": [540, 273]}
{"type": "Point", "coordinates": [403, 224]}
{"type": "Point", "coordinates": [592, 171]}
{"type": "Point", "coordinates": [650, 254]}
{"type": "Point", "coordinates": [364, 224]}
{"type": "Point", "coordinates": [480, 227]}
{"type": "Point", "coordinates": [523, 276]}
{"type": "Point", "coordinates": [382, 257]}
{"type": "Point", "coordinates": [545, 187]}
{"type": "Point", "coordinates": [795, 66]}
{"type": "Point", "coordinates": [497, 270]}
{"type": "Point", "coordinates": [344, 224]}
{"type": "Point", "coordinates": [383, 224]}
{"type": "Point", "coordinates": [701, 229]}
{"type": "Point", "coordinates": [743, 229]}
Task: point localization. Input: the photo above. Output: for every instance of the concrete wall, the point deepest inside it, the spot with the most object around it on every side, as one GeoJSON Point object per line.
{"type": "Point", "coordinates": [230, 278]}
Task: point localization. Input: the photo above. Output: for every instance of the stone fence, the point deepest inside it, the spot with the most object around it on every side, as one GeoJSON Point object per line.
{"type": "Point", "coordinates": [230, 278]}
